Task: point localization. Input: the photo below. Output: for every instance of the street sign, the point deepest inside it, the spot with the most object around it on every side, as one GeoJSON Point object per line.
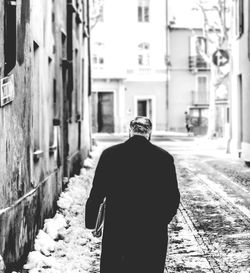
{"type": "Point", "coordinates": [220, 57]}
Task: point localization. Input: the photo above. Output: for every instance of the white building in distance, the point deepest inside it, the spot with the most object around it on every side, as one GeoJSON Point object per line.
{"type": "Point", "coordinates": [143, 66]}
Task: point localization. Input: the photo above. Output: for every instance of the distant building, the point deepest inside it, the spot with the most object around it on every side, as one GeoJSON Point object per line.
{"type": "Point", "coordinates": [145, 65]}
{"type": "Point", "coordinates": [129, 50]}
{"type": "Point", "coordinates": [189, 75]}
{"type": "Point", "coordinates": [194, 86]}
{"type": "Point", "coordinates": [44, 113]}
{"type": "Point", "coordinates": [240, 99]}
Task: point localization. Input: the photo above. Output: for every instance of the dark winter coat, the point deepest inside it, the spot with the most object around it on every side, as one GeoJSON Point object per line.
{"type": "Point", "coordinates": [139, 182]}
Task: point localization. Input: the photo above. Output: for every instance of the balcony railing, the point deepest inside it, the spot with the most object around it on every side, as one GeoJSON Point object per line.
{"type": "Point", "coordinates": [197, 63]}
{"type": "Point", "coordinates": [199, 98]}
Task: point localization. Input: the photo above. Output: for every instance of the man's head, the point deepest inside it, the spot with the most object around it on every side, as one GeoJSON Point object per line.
{"type": "Point", "coordinates": [141, 126]}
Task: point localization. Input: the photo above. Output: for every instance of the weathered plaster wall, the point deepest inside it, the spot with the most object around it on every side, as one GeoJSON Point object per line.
{"type": "Point", "coordinates": [34, 134]}
{"type": "Point", "coordinates": [20, 223]}
{"type": "Point", "coordinates": [15, 120]}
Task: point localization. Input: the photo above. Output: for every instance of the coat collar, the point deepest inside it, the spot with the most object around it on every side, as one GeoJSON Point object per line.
{"type": "Point", "coordinates": [137, 139]}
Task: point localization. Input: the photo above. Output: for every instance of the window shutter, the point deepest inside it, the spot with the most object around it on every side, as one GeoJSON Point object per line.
{"type": "Point", "coordinates": [241, 17]}
{"type": "Point", "coordinates": [9, 36]}
{"type": "Point", "coordinates": [146, 19]}
{"type": "Point", "coordinates": [139, 13]}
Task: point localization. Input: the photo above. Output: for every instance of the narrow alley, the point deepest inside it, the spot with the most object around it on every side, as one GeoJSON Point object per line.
{"type": "Point", "coordinates": [75, 78]}
{"type": "Point", "coordinates": [210, 232]}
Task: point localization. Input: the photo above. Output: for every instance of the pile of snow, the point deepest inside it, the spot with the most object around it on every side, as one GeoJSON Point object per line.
{"type": "Point", "coordinates": [56, 226]}
{"type": "Point", "coordinates": [36, 259]}
{"type": "Point", "coordinates": [2, 265]}
{"type": "Point", "coordinates": [64, 244]}
{"type": "Point", "coordinates": [88, 163]}
{"type": "Point", "coordinates": [44, 243]}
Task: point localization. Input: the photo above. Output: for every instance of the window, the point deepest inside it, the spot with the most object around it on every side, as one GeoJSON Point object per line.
{"type": "Point", "coordinates": [143, 10]}
{"type": "Point", "coordinates": [201, 45]}
{"type": "Point", "coordinates": [198, 44]}
{"type": "Point", "coordinates": [198, 50]}
{"type": "Point", "coordinates": [98, 54]}
{"type": "Point", "coordinates": [202, 84]}
{"type": "Point", "coordinates": [144, 54]}
{"type": "Point", "coordinates": [239, 18]}
{"type": "Point", "coordinates": [9, 36]}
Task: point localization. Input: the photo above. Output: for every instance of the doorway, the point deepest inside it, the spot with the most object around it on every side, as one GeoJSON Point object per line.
{"type": "Point", "coordinates": [103, 112]}
{"type": "Point", "coordinates": [144, 108]}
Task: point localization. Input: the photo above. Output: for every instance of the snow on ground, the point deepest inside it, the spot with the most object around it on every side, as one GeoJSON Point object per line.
{"type": "Point", "coordinates": [64, 244]}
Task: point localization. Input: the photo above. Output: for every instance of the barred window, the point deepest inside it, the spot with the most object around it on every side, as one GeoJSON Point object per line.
{"type": "Point", "coordinates": [143, 10]}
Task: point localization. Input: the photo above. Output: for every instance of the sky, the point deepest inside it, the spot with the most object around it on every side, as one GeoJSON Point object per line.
{"type": "Point", "coordinates": [184, 14]}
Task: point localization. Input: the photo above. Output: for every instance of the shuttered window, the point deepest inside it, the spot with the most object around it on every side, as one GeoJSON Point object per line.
{"type": "Point", "coordinates": [9, 36]}
{"type": "Point", "coordinates": [239, 17]}
{"type": "Point", "coordinates": [202, 84]}
{"type": "Point", "coordinates": [143, 10]}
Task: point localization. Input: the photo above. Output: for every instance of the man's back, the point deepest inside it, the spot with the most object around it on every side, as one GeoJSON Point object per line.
{"type": "Point", "coordinates": [140, 178]}
{"type": "Point", "coordinates": [139, 183]}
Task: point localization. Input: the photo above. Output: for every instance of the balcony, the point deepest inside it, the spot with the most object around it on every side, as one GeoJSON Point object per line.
{"type": "Point", "coordinates": [146, 70]}
{"type": "Point", "coordinates": [199, 98]}
{"type": "Point", "coordinates": [102, 71]}
{"type": "Point", "coordinates": [146, 74]}
{"type": "Point", "coordinates": [197, 63]}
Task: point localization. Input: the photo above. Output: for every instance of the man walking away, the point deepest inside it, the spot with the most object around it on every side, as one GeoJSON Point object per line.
{"type": "Point", "coordinates": [138, 180]}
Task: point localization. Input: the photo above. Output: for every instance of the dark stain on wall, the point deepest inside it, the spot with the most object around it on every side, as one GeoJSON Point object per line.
{"type": "Point", "coordinates": [7, 150]}
{"type": "Point", "coordinates": [21, 30]}
{"type": "Point", "coordinates": [20, 224]}
{"type": "Point", "coordinates": [28, 189]}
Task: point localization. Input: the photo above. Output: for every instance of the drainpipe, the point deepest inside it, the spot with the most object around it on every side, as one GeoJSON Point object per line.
{"type": "Point", "coordinates": [89, 73]}
{"type": "Point", "coordinates": [89, 51]}
{"type": "Point", "coordinates": [167, 69]}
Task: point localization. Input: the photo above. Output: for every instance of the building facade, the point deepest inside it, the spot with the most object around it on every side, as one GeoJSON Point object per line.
{"type": "Point", "coordinates": [44, 113]}
{"type": "Point", "coordinates": [240, 67]}
{"type": "Point", "coordinates": [129, 50]}
{"type": "Point", "coordinates": [189, 81]}
{"type": "Point", "coordinates": [148, 66]}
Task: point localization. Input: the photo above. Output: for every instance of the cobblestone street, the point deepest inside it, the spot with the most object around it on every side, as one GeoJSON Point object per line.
{"type": "Point", "coordinates": [210, 232]}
